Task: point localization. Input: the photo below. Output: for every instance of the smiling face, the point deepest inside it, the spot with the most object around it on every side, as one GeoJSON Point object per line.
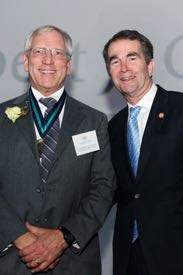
{"type": "Point", "coordinates": [47, 72]}
{"type": "Point", "coordinates": [128, 69]}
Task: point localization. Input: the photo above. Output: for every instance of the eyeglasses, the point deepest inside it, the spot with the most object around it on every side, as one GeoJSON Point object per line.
{"type": "Point", "coordinates": [56, 53]}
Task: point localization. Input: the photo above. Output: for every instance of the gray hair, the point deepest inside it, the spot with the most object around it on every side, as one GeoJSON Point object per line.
{"type": "Point", "coordinates": [49, 28]}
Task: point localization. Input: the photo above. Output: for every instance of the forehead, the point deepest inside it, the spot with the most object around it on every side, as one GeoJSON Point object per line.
{"type": "Point", "coordinates": [124, 46]}
{"type": "Point", "coordinates": [48, 39]}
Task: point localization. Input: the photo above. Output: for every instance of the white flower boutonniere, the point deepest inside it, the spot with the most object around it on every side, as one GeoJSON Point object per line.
{"type": "Point", "coordinates": [16, 112]}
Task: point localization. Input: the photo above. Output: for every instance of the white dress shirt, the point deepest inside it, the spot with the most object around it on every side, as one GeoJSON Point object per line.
{"type": "Point", "coordinates": [145, 103]}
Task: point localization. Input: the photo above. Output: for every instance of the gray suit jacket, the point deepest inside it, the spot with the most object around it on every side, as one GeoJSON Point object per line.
{"type": "Point", "coordinates": [78, 193]}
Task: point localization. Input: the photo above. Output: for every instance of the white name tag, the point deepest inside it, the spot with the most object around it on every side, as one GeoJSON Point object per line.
{"type": "Point", "coordinates": [85, 143]}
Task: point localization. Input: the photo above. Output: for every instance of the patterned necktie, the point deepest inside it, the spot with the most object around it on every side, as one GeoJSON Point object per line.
{"type": "Point", "coordinates": [49, 141]}
{"type": "Point", "coordinates": [133, 138]}
{"type": "Point", "coordinates": [133, 148]}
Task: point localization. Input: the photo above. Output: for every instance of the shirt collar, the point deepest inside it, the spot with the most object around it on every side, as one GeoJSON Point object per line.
{"type": "Point", "coordinates": [147, 100]}
{"type": "Point", "coordinates": [55, 95]}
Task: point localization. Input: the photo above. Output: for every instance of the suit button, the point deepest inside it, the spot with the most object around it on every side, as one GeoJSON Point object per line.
{"type": "Point", "coordinates": [37, 220]}
{"type": "Point", "coordinates": [38, 190]}
{"type": "Point", "coordinates": [137, 196]}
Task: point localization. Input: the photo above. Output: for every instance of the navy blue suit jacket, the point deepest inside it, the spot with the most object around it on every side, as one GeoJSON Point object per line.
{"type": "Point", "coordinates": [155, 197]}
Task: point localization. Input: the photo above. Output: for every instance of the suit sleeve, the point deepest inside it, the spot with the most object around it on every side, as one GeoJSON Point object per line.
{"type": "Point", "coordinates": [96, 204]}
{"type": "Point", "coordinates": [11, 226]}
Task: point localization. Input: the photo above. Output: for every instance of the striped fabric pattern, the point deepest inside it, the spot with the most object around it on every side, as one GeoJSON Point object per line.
{"type": "Point", "coordinates": [133, 148]}
{"type": "Point", "coordinates": [49, 141]}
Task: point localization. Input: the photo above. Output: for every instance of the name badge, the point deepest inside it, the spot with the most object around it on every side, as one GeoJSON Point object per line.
{"type": "Point", "coordinates": [85, 143]}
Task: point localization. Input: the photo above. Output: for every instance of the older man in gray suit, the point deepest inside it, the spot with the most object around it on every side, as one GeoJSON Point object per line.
{"type": "Point", "coordinates": [56, 177]}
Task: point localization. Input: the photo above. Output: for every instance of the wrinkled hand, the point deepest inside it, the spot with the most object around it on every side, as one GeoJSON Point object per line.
{"type": "Point", "coordinates": [25, 240]}
{"type": "Point", "coordinates": [44, 253]}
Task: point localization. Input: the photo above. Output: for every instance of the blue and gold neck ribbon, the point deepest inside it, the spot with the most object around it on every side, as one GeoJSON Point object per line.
{"type": "Point", "coordinates": [44, 124]}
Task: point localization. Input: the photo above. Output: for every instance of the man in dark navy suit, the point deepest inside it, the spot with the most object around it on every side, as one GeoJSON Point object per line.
{"type": "Point", "coordinates": [148, 235]}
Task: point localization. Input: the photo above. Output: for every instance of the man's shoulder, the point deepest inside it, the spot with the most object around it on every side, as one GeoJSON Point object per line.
{"type": "Point", "coordinates": [119, 116]}
{"type": "Point", "coordinates": [16, 100]}
{"type": "Point", "coordinates": [84, 107]}
{"type": "Point", "coordinates": [170, 93]}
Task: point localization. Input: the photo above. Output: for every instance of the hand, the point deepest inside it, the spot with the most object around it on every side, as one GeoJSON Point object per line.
{"type": "Point", "coordinates": [44, 253]}
{"type": "Point", "coordinates": [25, 240]}
{"type": "Point", "coordinates": [52, 266]}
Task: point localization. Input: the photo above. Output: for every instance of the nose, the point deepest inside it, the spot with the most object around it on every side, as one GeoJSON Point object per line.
{"type": "Point", "coordinates": [124, 66]}
{"type": "Point", "coordinates": [48, 57]}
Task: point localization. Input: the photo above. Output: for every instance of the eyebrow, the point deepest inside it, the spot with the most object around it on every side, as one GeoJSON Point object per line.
{"type": "Point", "coordinates": [112, 58]}
{"type": "Point", "coordinates": [133, 54]}
{"type": "Point", "coordinates": [128, 55]}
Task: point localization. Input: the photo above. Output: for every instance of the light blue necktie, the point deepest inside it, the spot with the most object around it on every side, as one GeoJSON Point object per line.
{"type": "Point", "coordinates": [133, 148]}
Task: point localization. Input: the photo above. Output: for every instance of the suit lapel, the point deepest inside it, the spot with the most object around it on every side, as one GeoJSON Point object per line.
{"type": "Point", "coordinates": [25, 125]}
{"type": "Point", "coordinates": [118, 137]}
{"type": "Point", "coordinates": [124, 125]}
{"type": "Point", "coordinates": [153, 126]}
{"type": "Point", "coordinates": [73, 116]}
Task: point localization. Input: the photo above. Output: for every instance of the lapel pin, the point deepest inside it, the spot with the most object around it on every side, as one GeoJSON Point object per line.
{"type": "Point", "coordinates": [161, 115]}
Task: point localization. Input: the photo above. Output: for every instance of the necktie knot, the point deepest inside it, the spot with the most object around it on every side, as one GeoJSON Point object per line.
{"type": "Point", "coordinates": [49, 102]}
{"type": "Point", "coordinates": [134, 111]}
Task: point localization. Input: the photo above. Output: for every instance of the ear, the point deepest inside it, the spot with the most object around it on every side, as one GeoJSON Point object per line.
{"type": "Point", "coordinates": [151, 67]}
{"type": "Point", "coordinates": [25, 62]}
{"type": "Point", "coordinates": [69, 67]}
